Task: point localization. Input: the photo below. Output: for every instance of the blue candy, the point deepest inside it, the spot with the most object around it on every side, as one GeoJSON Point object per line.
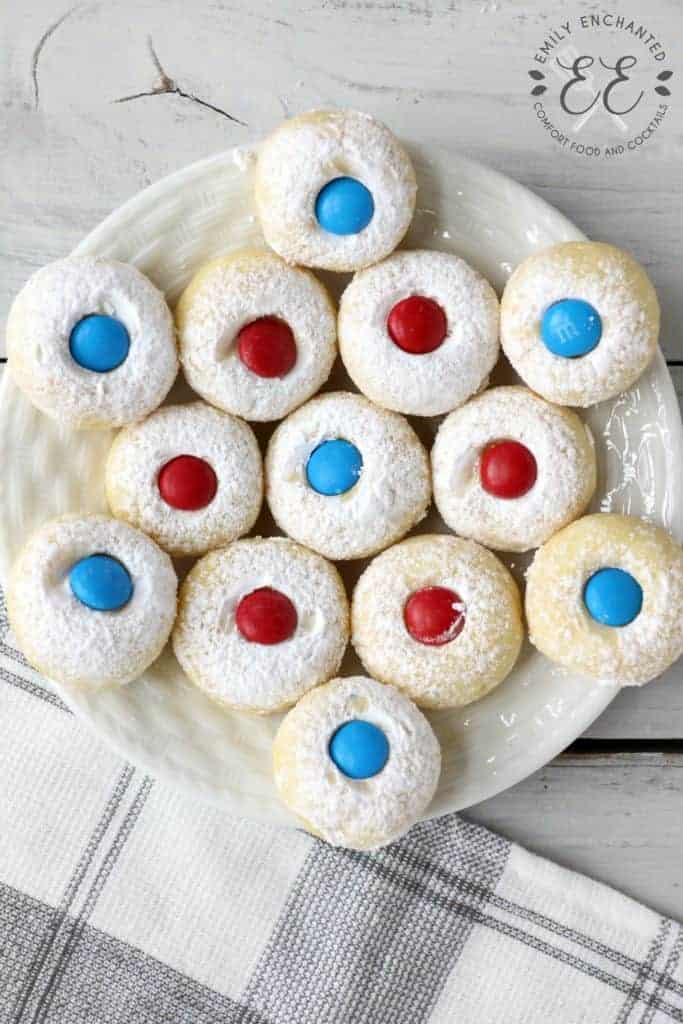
{"type": "Point", "coordinates": [571, 328]}
{"type": "Point", "coordinates": [344, 206]}
{"type": "Point", "coordinates": [99, 343]}
{"type": "Point", "coordinates": [613, 597]}
{"type": "Point", "coordinates": [334, 467]}
{"type": "Point", "coordinates": [101, 582]}
{"type": "Point", "coordinates": [359, 749]}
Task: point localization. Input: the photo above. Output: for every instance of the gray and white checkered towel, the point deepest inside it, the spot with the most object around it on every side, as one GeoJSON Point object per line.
{"type": "Point", "coordinates": [123, 901]}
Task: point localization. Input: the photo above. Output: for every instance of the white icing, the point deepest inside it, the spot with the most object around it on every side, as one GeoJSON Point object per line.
{"type": "Point", "coordinates": [253, 676]}
{"type": "Point", "coordinates": [561, 626]}
{"type": "Point", "coordinates": [565, 459]}
{"type": "Point", "coordinates": [613, 283]}
{"type": "Point", "coordinates": [40, 322]}
{"type": "Point", "coordinates": [434, 382]}
{"type": "Point", "coordinates": [70, 642]}
{"type": "Point", "coordinates": [357, 813]}
{"type": "Point", "coordinates": [225, 442]}
{"type": "Point", "coordinates": [230, 294]}
{"type": "Point", "coordinates": [470, 665]}
{"type": "Point", "coordinates": [391, 495]}
{"type": "Point", "coordinates": [307, 152]}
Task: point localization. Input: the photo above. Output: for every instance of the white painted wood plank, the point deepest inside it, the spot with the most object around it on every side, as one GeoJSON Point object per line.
{"type": "Point", "coordinates": [649, 712]}
{"type": "Point", "coordinates": [431, 69]}
{"type": "Point", "coordinates": [617, 819]}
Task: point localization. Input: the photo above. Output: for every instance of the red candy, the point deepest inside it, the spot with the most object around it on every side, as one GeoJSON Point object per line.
{"type": "Point", "coordinates": [434, 616]}
{"type": "Point", "coordinates": [267, 347]}
{"type": "Point", "coordinates": [508, 469]}
{"type": "Point", "coordinates": [417, 325]}
{"type": "Point", "coordinates": [187, 483]}
{"type": "Point", "coordinates": [266, 616]}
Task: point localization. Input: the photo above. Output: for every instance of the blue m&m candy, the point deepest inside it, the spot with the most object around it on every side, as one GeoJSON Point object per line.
{"type": "Point", "coordinates": [101, 582]}
{"type": "Point", "coordinates": [613, 597]}
{"type": "Point", "coordinates": [344, 206]}
{"type": "Point", "coordinates": [571, 328]}
{"type": "Point", "coordinates": [99, 343]}
{"type": "Point", "coordinates": [359, 749]}
{"type": "Point", "coordinates": [334, 467]}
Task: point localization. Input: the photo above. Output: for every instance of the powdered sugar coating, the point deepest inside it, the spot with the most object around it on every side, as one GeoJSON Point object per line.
{"type": "Point", "coordinates": [470, 665]}
{"type": "Point", "coordinates": [559, 623]}
{"type": "Point", "coordinates": [251, 676]}
{"type": "Point", "coordinates": [141, 450]}
{"type": "Point", "coordinates": [358, 813]}
{"type": "Point", "coordinates": [71, 643]}
{"type": "Point", "coordinates": [391, 495]}
{"type": "Point", "coordinates": [435, 382]}
{"type": "Point", "coordinates": [621, 292]}
{"type": "Point", "coordinates": [307, 152]}
{"type": "Point", "coordinates": [561, 444]}
{"type": "Point", "coordinates": [40, 322]}
{"type": "Point", "coordinates": [229, 293]}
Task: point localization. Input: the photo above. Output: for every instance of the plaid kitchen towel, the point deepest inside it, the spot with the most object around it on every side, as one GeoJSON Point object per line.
{"type": "Point", "coordinates": [123, 901]}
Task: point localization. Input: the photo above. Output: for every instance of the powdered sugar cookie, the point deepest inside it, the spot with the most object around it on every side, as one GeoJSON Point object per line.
{"type": "Point", "coordinates": [346, 477]}
{"type": "Point", "coordinates": [91, 343]}
{"type": "Point", "coordinates": [189, 476]}
{"type": "Point", "coordinates": [334, 189]}
{"type": "Point", "coordinates": [439, 617]}
{"type": "Point", "coordinates": [257, 336]}
{"type": "Point", "coordinates": [357, 762]}
{"type": "Point", "coordinates": [604, 598]}
{"type": "Point", "coordinates": [260, 622]}
{"type": "Point", "coordinates": [418, 332]}
{"type": "Point", "coordinates": [91, 601]}
{"type": "Point", "coordinates": [579, 322]}
{"type": "Point", "coordinates": [510, 469]}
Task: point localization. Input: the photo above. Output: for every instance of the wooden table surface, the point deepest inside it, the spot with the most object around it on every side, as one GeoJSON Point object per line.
{"type": "Point", "coordinates": [91, 116]}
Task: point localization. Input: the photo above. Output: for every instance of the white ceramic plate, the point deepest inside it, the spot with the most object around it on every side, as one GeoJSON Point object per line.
{"type": "Point", "coordinates": [164, 723]}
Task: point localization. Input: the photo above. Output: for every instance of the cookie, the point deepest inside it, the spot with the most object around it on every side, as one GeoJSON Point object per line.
{"type": "Point", "coordinates": [345, 477]}
{"type": "Point", "coordinates": [579, 322]}
{"type": "Point", "coordinates": [510, 469]}
{"type": "Point", "coordinates": [257, 336]}
{"type": "Point", "coordinates": [438, 617]}
{"type": "Point", "coordinates": [91, 343]}
{"type": "Point", "coordinates": [357, 762]}
{"type": "Point", "coordinates": [418, 332]}
{"type": "Point", "coordinates": [91, 601]}
{"type": "Point", "coordinates": [604, 599]}
{"type": "Point", "coordinates": [260, 622]}
{"type": "Point", "coordinates": [189, 476]}
{"type": "Point", "coordinates": [334, 189]}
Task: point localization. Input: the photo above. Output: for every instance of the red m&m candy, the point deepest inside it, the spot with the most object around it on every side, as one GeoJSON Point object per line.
{"type": "Point", "coordinates": [187, 483]}
{"type": "Point", "coordinates": [266, 616]}
{"type": "Point", "coordinates": [508, 469]}
{"type": "Point", "coordinates": [417, 325]}
{"type": "Point", "coordinates": [267, 347]}
{"type": "Point", "coordinates": [434, 615]}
